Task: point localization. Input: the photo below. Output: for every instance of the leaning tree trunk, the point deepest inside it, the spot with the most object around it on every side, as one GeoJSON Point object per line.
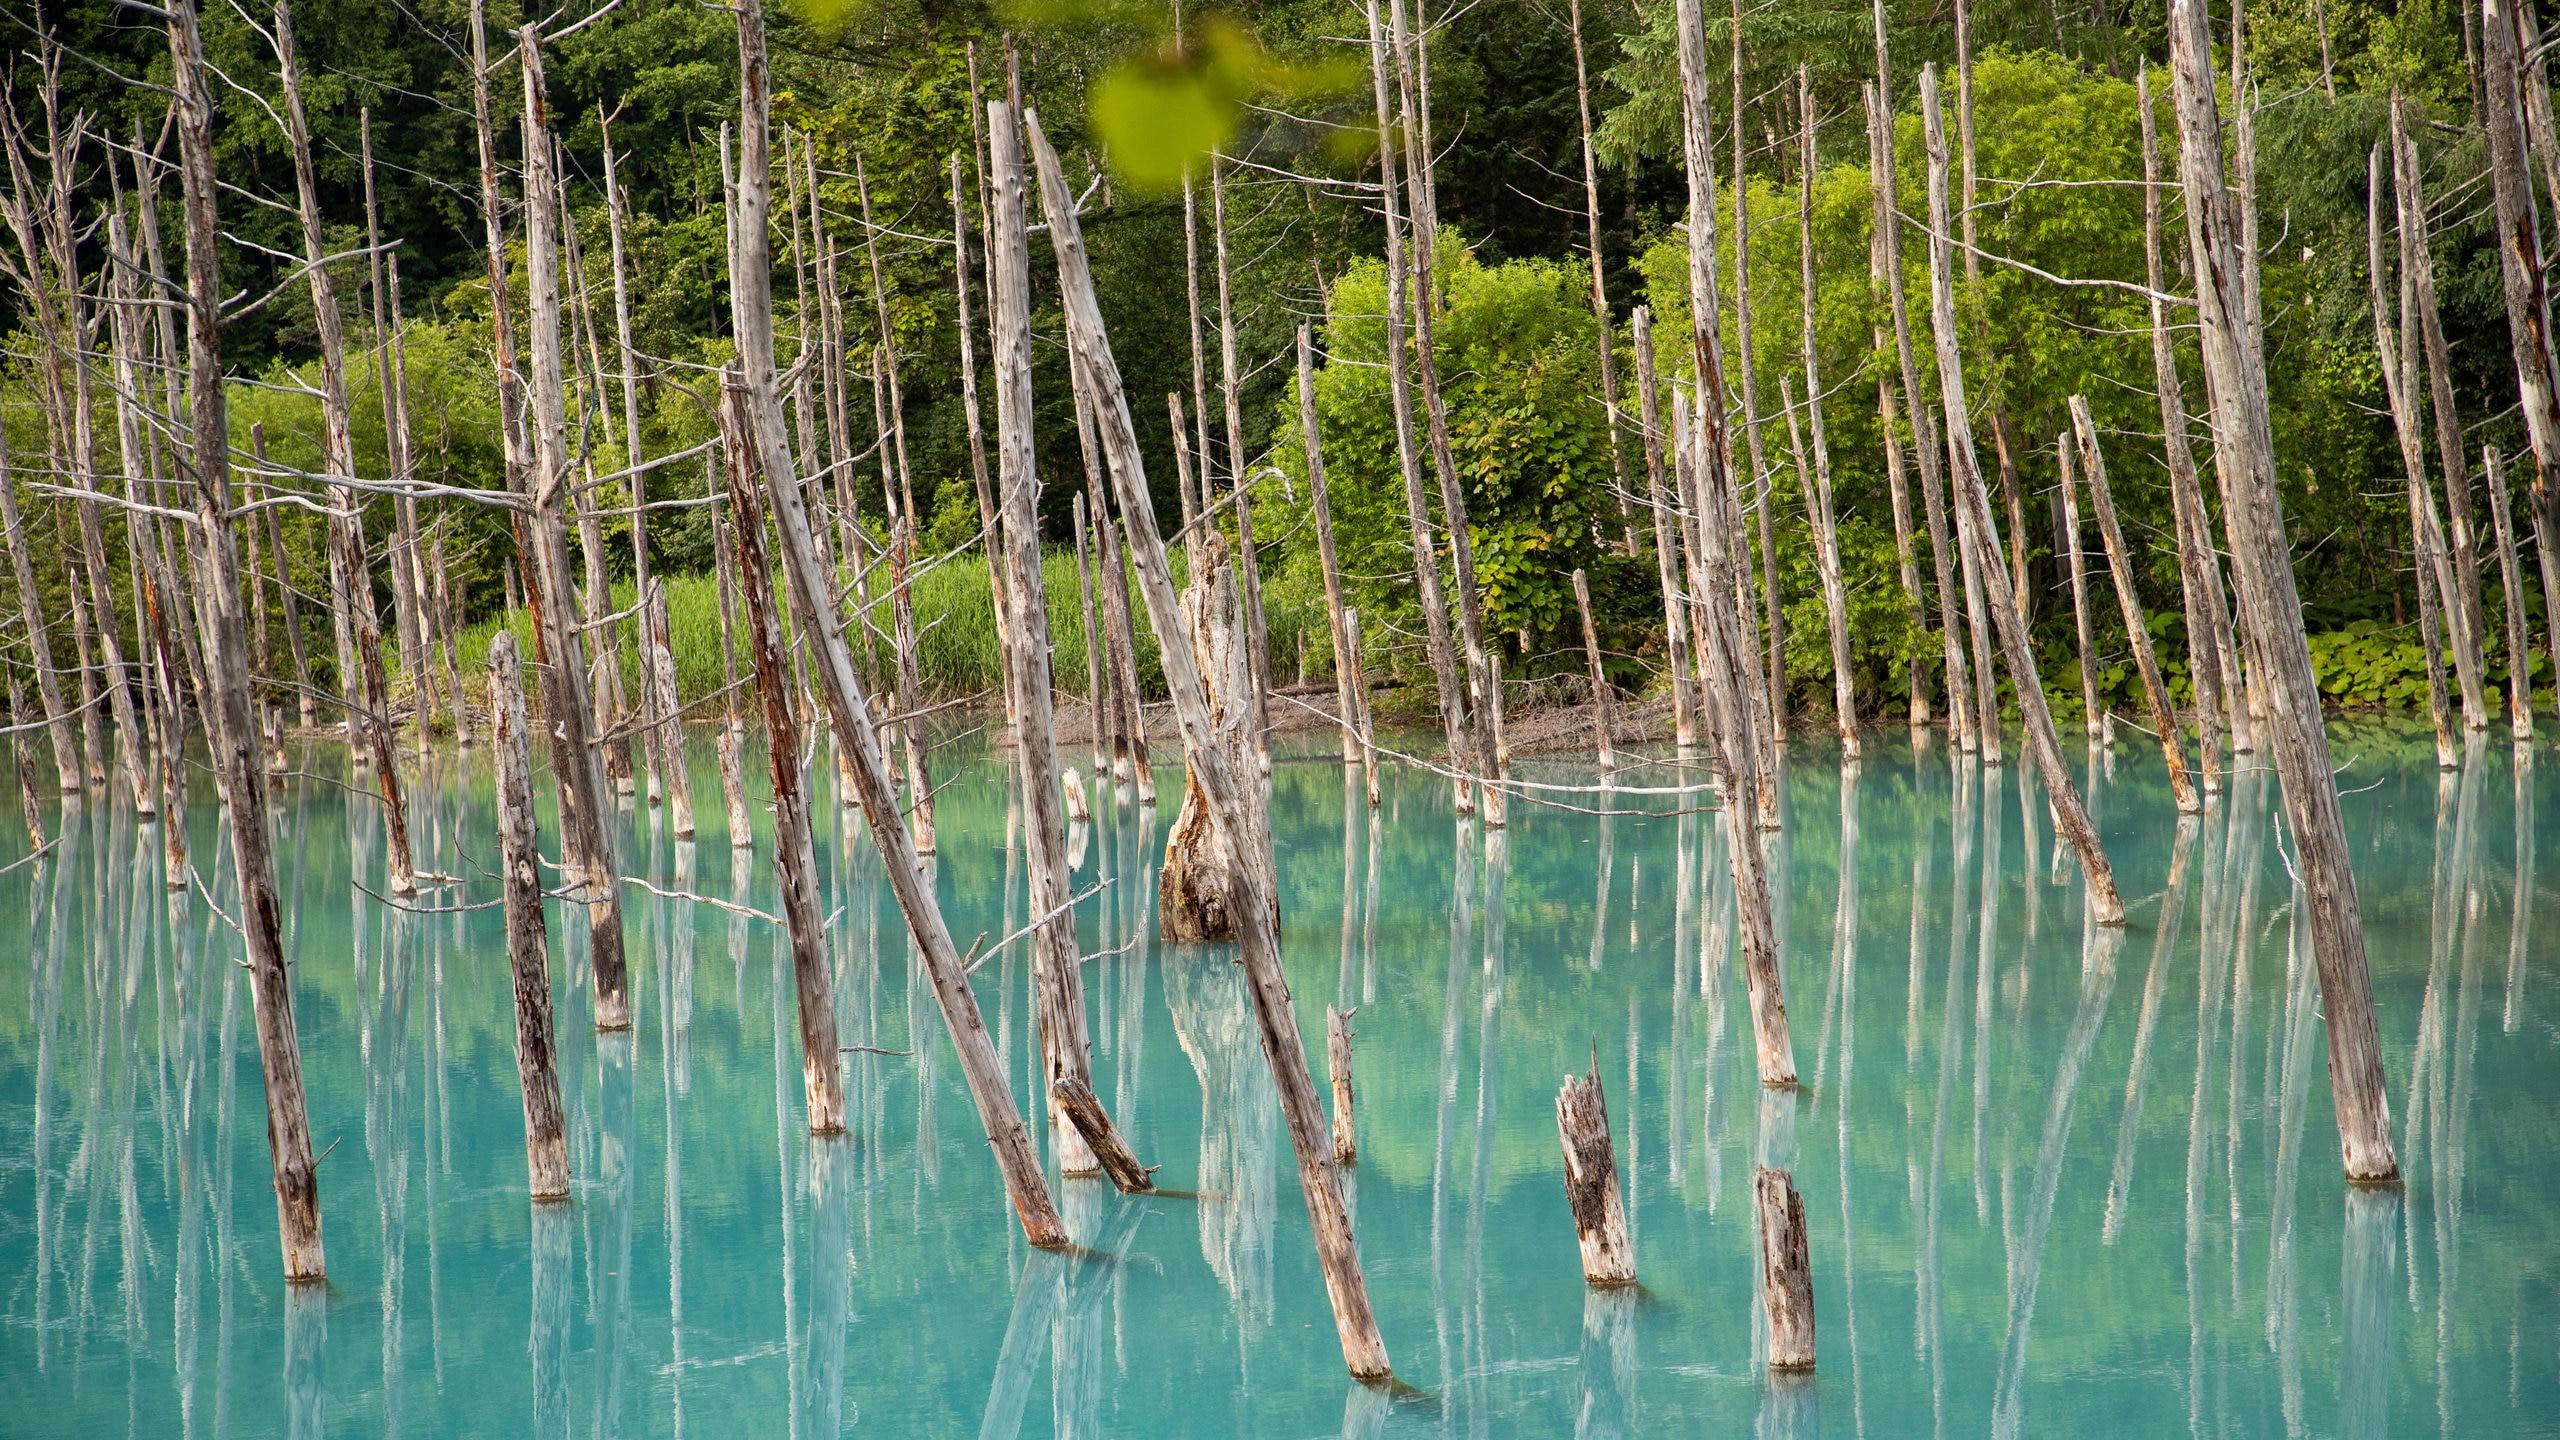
{"type": "Point", "coordinates": [2271, 609]}
{"type": "Point", "coordinates": [751, 311]}
{"type": "Point", "coordinates": [296, 1178]}
{"type": "Point", "coordinates": [2071, 816]}
{"type": "Point", "coordinates": [1363, 1348]}
{"type": "Point", "coordinates": [2155, 691]}
{"type": "Point", "coordinates": [57, 724]}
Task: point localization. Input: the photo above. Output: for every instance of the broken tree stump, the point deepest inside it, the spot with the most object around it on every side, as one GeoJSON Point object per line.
{"type": "Point", "coordinates": [1786, 1272]}
{"type": "Point", "coordinates": [1591, 1181]}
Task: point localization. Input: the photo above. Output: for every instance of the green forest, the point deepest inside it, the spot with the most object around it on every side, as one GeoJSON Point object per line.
{"type": "Point", "coordinates": [1228, 160]}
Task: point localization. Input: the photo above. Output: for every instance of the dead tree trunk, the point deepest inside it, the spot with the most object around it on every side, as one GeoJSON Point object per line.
{"type": "Point", "coordinates": [1337, 1058]}
{"type": "Point", "coordinates": [2272, 610]}
{"type": "Point", "coordinates": [1363, 1349]}
{"type": "Point", "coordinates": [1786, 1271]}
{"type": "Point", "coordinates": [1733, 744]}
{"type": "Point", "coordinates": [296, 1179]}
{"type": "Point", "coordinates": [971, 417]}
{"type": "Point", "coordinates": [1455, 727]}
{"type": "Point", "coordinates": [2399, 375]}
{"type": "Point", "coordinates": [2089, 704]}
{"type": "Point", "coordinates": [1248, 564]}
{"type": "Point", "coordinates": [795, 856]}
{"type": "Point", "coordinates": [1196, 890]}
{"type": "Point", "coordinates": [1591, 1181]}
{"type": "Point", "coordinates": [1888, 428]}
{"type": "Point", "coordinates": [1817, 481]}
{"type": "Point", "coordinates": [2215, 668]}
{"type": "Point", "coordinates": [2417, 267]}
{"type": "Point", "coordinates": [2155, 691]}
{"type": "Point", "coordinates": [1666, 545]}
{"type": "Point", "coordinates": [1097, 707]}
{"type": "Point", "coordinates": [1600, 285]}
{"type": "Point", "coordinates": [391, 377]}
{"type": "Point", "coordinates": [2525, 287]}
{"type": "Point", "coordinates": [546, 1148]}
{"type": "Point", "coordinates": [1773, 687]}
{"type": "Point", "coordinates": [628, 358]}
{"type": "Point", "coordinates": [1880, 122]}
{"type": "Point", "coordinates": [669, 713]}
{"type": "Point", "coordinates": [371, 725]}
{"type": "Point", "coordinates": [2071, 816]}
{"type": "Point", "coordinates": [2511, 580]}
{"type": "Point", "coordinates": [66, 751]}
{"type": "Point", "coordinates": [543, 542]}
{"type": "Point", "coordinates": [1346, 679]}
{"type": "Point", "coordinates": [1602, 712]}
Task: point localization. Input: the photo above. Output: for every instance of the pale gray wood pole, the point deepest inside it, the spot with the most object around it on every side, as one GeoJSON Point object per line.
{"type": "Point", "coordinates": [1363, 1349]}
{"type": "Point", "coordinates": [1346, 680]}
{"type": "Point", "coordinates": [2155, 691]}
{"type": "Point", "coordinates": [1601, 318]}
{"type": "Point", "coordinates": [1666, 543]}
{"type": "Point", "coordinates": [2271, 611]}
{"type": "Point", "coordinates": [2511, 579]}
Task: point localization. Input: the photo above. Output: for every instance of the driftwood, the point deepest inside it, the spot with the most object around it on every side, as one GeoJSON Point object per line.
{"type": "Point", "coordinates": [1591, 1181]}
{"type": "Point", "coordinates": [546, 1148]}
{"type": "Point", "coordinates": [1786, 1272]}
{"type": "Point", "coordinates": [1222, 787]}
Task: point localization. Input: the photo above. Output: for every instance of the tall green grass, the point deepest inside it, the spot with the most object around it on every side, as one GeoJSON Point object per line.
{"type": "Point", "coordinates": [956, 630]}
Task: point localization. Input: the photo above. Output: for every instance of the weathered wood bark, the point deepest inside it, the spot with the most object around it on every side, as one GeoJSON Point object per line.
{"type": "Point", "coordinates": [2071, 816]}
{"type": "Point", "coordinates": [2417, 266]}
{"type": "Point", "coordinates": [1118, 636]}
{"type": "Point", "coordinates": [1196, 889]}
{"type": "Point", "coordinates": [1076, 1100]}
{"type": "Point", "coordinates": [1600, 314]}
{"type": "Point", "coordinates": [1248, 563]}
{"type": "Point", "coordinates": [1888, 407]}
{"type": "Point", "coordinates": [1666, 545]}
{"type": "Point", "coordinates": [1603, 711]}
{"type": "Point", "coordinates": [66, 751]}
{"type": "Point", "coordinates": [543, 545]}
{"type": "Point", "coordinates": [391, 378]}
{"type": "Point", "coordinates": [2271, 609]}
{"type": "Point", "coordinates": [1817, 481]}
{"type": "Point", "coordinates": [2090, 705]}
{"type": "Point", "coordinates": [2214, 668]}
{"type": "Point", "coordinates": [1338, 1253]}
{"type": "Point", "coordinates": [1880, 124]}
{"type": "Point", "coordinates": [1591, 1181]}
{"type": "Point", "coordinates": [1368, 736]}
{"type": "Point", "coordinates": [1484, 690]}
{"type": "Point", "coordinates": [1098, 705]}
{"type": "Point", "coordinates": [1732, 743]}
{"type": "Point", "coordinates": [627, 357]}
{"type": "Point", "coordinates": [668, 712]}
{"type": "Point", "coordinates": [751, 312]}
{"type": "Point", "coordinates": [1772, 686]}
{"type": "Point", "coordinates": [975, 421]}
{"type": "Point", "coordinates": [2525, 287]}
{"type": "Point", "coordinates": [1786, 1271]}
{"type": "Point", "coordinates": [795, 857]}
{"type": "Point", "coordinates": [2511, 581]}
{"type": "Point", "coordinates": [1347, 687]}
{"type": "Point", "coordinates": [546, 1147]}
{"type": "Point", "coordinates": [1337, 1063]}
{"type": "Point", "coordinates": [296, 1180]}
{"type": "Point", "coordinates": [2155, 690]}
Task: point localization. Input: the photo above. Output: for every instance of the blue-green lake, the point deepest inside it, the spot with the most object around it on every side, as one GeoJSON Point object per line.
{"type": "Point", "coordinates": [2057, 1181]}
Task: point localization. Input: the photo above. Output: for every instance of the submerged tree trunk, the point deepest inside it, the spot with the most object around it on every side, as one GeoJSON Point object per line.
{"type": "Point", "coordinates": [546, 1149]}
{"type": "Point", "coordinates": [2272, 611]}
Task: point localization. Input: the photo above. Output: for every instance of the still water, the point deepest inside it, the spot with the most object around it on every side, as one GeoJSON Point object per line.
{"type": "Point", "coordinates": [2056, 1181]}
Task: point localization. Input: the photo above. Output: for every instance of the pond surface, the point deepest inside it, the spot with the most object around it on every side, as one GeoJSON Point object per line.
{"type": "Point", "coordinates": [2055, 1182]}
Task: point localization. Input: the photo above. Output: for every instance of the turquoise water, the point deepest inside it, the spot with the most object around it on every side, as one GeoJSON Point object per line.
{"type": "Point", "coordinates": [2051, 1180]}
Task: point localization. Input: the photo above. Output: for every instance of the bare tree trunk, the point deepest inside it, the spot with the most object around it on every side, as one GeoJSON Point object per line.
{"type": "Point", "coordinates": [1346, 679]}
{"type": "Point", "coordinates": [1248, 566]}
{"type": "Point", "coordinates": [1817, 481]}
{"type": "Point", "coordinates": [1774, 687]}
{"type": "Point", "coordinates": [2417, 264]}
{"type": "Point", "coordinates": [1603, 712]}
{"type": "Point", "coordinates": [1098, 708]}
{"type": "Point", "coordinates": [2216, 668]}
{"type": "Point", "coordinates": [751, 312]}
{"type": "Point", "coordinates": [2272, 611]}
{"type": "Point", "coordinates": [2399, 376]}
{"type": "Point", "coordinates": [668, 710]}
{"type": "Point", "coordinates": [2155, 691]}
{"type": "Point", "coordinates": [969, 410]}
{"type": "Point", "coordinates": [1591, 1182]}
{"type": "Point", "coordinates": [1455, 726]}
{"type": "Point", "coordinates": [1786, 1272]}
{"type": "Point", "coordinates": [2071, 816]}
{"type": "Point", "coordinates": [1363, 1349]}
{"type": "Point", "coordinates": [543, 542]}
{"type": "Point", "coordinates": [1120, 650]}
{"type": "Point", "coordinates": [296, 1179]}
{"type": "Point", "coordinates": [391, 377]}
{"type": "Point", "coordinates": [2511, 581]}
{"type": "Point", "coordinates": [546, 1148]}
{"type": "Point", "coordinates": [2089, 704]}
{"type": "Point", "coordinates": [66, 753]}
{"type": "Point", "coordinates": [1733, 744]}
{"type": "Point", "coordinates": [1666, 545]}
{"type": "Point", "coordinates": [1880, 125]}
{"type": "Point", "coordinates": [1600, 284]}
{"type": "Point", "coordinates": [795, 857]}
{"type": "Point", "coordinates": [372, 724]}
